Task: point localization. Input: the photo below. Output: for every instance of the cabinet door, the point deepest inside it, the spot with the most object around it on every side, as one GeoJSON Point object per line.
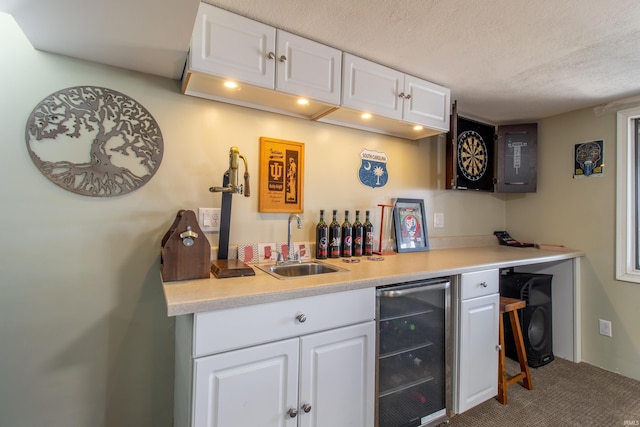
{"type": "Point", "coordinates": [478, 379]}
{"type": "Point", "coordinates": [426, 103]}
{"type": "Point", "coordinates": [307, 68]}
{"type": "Point", "coordinates": [232, 46]}
{"type": "Point", "coordinates": [371, 87]}
{"type": "Point", "coordinates": [337, 374]}
{"type": "Point", "coordinates": [255, 386]}
{"type": "Point", "coordinates": [517, 158]}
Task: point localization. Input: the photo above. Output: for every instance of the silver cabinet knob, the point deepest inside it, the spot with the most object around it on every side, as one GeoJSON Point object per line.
{"type": "Point", "coordinates": [484, 284]}
{"type": "Point", "coordinates": [407, 96]}
{"type": "Point", "coordinates": [301, 318]}
{"type": "Point", "coordinates": [282, 58]}
{"type": "Point", "coordinates": [292, 412]}
{"type": "Point", "coordinates": [271, 55]}
{"type": "Point", "coordinates": [401, 95]}
{"type": "Point", "coordinates": [306, 408]}
{"type": "Point", "coordinates": [498, 347]}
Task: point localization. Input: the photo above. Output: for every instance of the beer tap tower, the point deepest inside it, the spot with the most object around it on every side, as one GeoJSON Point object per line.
{"type": "Point", "coordinates": [223, 267]}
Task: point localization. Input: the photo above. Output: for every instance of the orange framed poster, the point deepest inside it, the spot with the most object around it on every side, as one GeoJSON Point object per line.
{"type": "Point", "coordinates": [281, 176]}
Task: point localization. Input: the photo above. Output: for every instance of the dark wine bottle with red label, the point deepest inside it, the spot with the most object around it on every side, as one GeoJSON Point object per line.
{"type": "Point", "coordinates": [368, 236]}
{"type": "Point", "coordinates": [322, 238]}
{"type": "Point", "coordinates": [347, 237]}
{"type": "Point", "coordinates": [334, 237]}
{"type": "Point", "coordinates": [358, 236]}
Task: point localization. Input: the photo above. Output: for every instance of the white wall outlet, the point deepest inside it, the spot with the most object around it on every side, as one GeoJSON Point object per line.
{"type": "Point", "coordinates": [209, 219]}
{"type": "Point", "coordinates": [605, 327]}
{"type": "Point", "coordinates": [438, 220]}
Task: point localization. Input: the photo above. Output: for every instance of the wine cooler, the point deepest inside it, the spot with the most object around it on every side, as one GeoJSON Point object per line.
{"type": "Point", "coordinates": [413, 354]}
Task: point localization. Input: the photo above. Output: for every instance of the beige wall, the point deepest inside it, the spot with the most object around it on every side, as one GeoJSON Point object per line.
{"type": "Point", "coordinates": [84, 333]}
{"type": "Point", "coordinates": [580, 213]}
{"type": "Point", "coordinates": [84, 336]}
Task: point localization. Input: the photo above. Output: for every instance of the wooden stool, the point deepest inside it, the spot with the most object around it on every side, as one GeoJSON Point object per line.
{"type": "Point", "coordinates": [511, 306]}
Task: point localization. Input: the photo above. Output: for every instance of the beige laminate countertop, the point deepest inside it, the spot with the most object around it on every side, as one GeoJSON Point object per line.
{"type": "Point", "coordinates": [194, 296]}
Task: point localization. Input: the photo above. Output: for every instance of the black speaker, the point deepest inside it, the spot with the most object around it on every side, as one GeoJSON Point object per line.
{"type": "Point", "coordinates": [535, 318]}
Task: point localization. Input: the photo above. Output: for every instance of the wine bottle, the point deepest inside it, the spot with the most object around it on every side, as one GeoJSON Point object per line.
{"type": "Point", "coordinates": [419, 396]}
{"type": "Point", "coordinates": [347, 237]}
{"type": "Point", "coordinates": [414, 360]}
{"type": "Point", "coordinates": [368, 236]}
{"type": "Point", "coordinates": [404, 326]}
{"type": "Point", "coordinates": [322, 236]}
{"type": "Point", "coordinates": [358, 236]}
{"type": "Point", "coordinates": [334, 236]}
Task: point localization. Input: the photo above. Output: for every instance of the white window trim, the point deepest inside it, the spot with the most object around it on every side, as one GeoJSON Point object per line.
{"type": "Point", "coordinates": [626, 202]}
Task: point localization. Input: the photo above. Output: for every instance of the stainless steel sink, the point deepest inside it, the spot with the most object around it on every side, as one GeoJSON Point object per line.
{"type": "Point", "coordinates": [303, 269]}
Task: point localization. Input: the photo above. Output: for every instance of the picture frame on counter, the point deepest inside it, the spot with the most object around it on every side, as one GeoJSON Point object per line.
{"type": "Point", "coordinates": [281, 186]}
{"type": "Point", "coordinates": [410, 225]}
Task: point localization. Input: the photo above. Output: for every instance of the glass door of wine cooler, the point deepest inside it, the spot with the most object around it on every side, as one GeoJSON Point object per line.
{"type": "Point", "coordinates": [412, 350]}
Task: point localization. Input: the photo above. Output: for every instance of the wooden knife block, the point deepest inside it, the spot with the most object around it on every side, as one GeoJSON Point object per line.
{"type": "Point", "coordinates": [182, 262]}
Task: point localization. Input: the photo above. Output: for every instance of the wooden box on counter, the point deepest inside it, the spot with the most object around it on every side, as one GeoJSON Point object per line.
{"type": "Point", "coordinates": [186, 252]}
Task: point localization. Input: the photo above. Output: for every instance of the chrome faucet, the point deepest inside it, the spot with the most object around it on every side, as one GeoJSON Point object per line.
{"type": "Point", "coordinates": [292, 256]}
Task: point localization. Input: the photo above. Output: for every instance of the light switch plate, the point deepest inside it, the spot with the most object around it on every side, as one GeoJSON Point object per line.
{"type": "Point", "coordinates": [438, 220]}
{"type": "Point", "coordinates": [209, 219]}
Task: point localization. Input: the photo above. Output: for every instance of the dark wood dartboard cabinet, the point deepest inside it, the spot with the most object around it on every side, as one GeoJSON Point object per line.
{"type": "Point", "coordinates": [485, 157]}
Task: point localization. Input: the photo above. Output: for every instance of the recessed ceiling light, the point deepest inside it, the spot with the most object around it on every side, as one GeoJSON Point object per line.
{"type": "Point", "coordinates": [366, 116]}
{"type": "Point", "coordinates": [417, 127]}
{"type": "Point", "coordinates": [303, 101]}
{"type": "Point", "coordinates": [231, 85]}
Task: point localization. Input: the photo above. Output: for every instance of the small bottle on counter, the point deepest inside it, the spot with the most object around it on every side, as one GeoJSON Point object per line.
{"type": "Point", "coordinates": [322, 238]}
{"type": "Point", "coordinates": [347, 237]}
{"type": "Point", "coordinates": [358, 236]}
{"type": "Point", "coordinates": [368, 236]}
{"type": "Point", "coordinates": [334, 236]}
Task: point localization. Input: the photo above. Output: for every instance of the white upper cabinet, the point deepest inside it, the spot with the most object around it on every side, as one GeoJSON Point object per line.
{"type": "Point", "coordinates": [274, 69]}
{"type": "Point", "coordinates": [400, 104]}
{"type": "Point", "coordinates": [308, 68]}
{"type": "Point", "coordinates": [426, 103]}
{"type": "Point", "coordinates": [226, 46]}
{"type": "Point", "coordinates": [234, 47]}
{"type": "Point", "coordinates": [371, 87]}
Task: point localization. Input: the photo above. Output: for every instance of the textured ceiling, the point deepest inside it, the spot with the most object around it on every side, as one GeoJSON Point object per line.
{"type": "Point", "coordinates": [504, 60]}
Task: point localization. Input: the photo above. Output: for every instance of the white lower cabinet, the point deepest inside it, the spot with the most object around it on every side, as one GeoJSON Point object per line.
{"type": "Point", "coordinates": [337, 374]}
{"type": "Point", "coordinates": [252, 386]}
{"type": "Point", "coordinates": [322, 377]}
{"type": "Point", "coordinates": [477, 376]}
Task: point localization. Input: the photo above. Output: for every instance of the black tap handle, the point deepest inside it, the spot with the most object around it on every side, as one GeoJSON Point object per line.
{"type": "Point", "coordinates": [247, 190]}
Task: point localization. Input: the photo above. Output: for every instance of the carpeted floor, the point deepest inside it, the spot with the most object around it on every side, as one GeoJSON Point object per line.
{"type": "Point", "coordinates": [564, 394]}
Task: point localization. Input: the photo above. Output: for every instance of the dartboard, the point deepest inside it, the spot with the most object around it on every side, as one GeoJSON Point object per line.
{"type": "Point", "coordinates": [472, 155]}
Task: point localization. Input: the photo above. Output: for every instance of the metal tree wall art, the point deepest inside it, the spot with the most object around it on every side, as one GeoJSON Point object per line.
{"type": "Point", "coordinates": [94, 141]}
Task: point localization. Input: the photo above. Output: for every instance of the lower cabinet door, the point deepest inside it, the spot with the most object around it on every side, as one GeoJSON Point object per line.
{"type": "Point", "coordinates": [255, 386]}
{"type": "Point", "coordinates": [337, 374]}
{"type": "Point", "coordinates": [478, 379]}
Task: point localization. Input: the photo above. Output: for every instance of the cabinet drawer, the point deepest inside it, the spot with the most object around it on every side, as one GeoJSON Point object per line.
{"type": "Point", "coordinates": [224, 330]}
{"type": "Point", "coordinates": [479, 283]}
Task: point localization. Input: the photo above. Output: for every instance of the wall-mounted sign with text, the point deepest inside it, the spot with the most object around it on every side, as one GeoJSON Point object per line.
{"type": "Point", "coordinates": [281, 176]}
{"type": "Point", "coordinates": [373, 168]}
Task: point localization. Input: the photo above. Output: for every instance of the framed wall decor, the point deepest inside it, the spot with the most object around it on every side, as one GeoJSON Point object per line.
{"type": "Point", "coordinates": [281, 187]}
{"type": "Point", "coordinates": [588, 159]}
{"type": "Point", "coordinates": [410, 225]}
